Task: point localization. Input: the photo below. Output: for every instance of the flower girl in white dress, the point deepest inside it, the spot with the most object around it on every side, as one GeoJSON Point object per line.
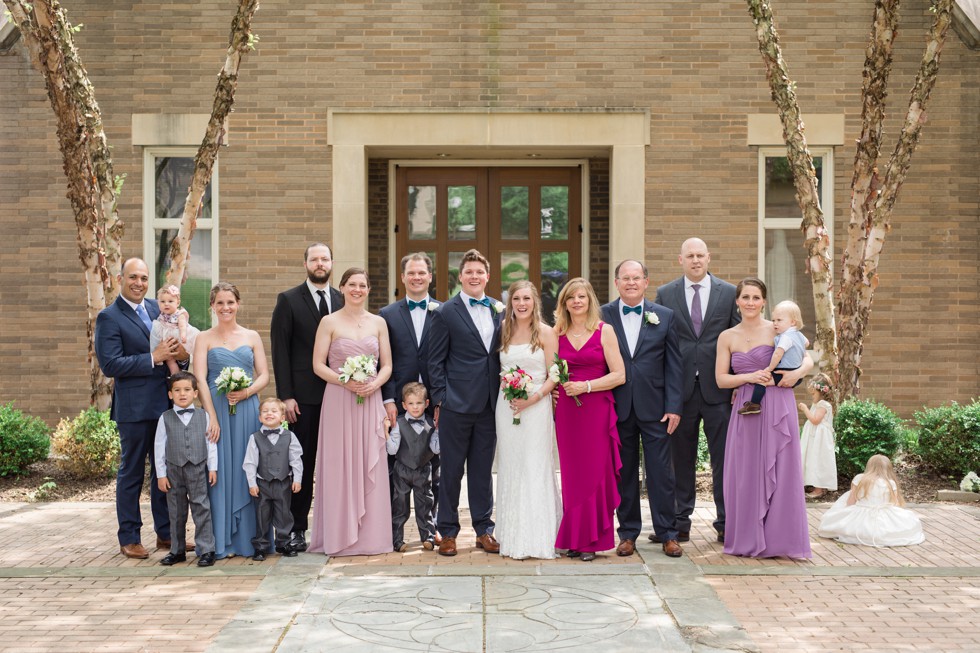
{"type": "Point", "coordinates": [528, 507]}
{"type": "Point", "coordinates": [817, 440]}
{"type": "Point", "coordinates": [871, 512]}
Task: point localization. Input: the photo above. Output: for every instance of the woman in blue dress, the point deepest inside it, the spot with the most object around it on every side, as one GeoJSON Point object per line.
{"type": "Point", "coordinates": [227, 344]}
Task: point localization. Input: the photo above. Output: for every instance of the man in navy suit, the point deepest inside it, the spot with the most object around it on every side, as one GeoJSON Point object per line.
{"type": "Point", "coordinates": [648, 406]}
{"type": "Point", "coordinates": [295, 320]}
{"type": "Point", "coordinates": [408, 322]}
{"type": "Point", "coordinates": [464, 373]}
{"type": "Point", "coordinates": [705, 306]}
{"type": "Point", "coordinates": [139, 397]}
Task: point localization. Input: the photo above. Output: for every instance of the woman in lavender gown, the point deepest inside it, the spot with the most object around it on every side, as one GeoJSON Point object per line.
{"type": "Point", "coordinates": [763, 480]}
{"type": "Point", "coordinates": [588, 440]}
{"type": "Point", "coordinates": [351, 500]}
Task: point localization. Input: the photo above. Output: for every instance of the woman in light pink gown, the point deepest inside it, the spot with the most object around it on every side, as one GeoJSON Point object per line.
{"type": "Point", "coordinates": [351, 500]}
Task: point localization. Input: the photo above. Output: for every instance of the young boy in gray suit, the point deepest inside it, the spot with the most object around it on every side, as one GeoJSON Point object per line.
{"type": "Point", "coordinates": [186, 462]}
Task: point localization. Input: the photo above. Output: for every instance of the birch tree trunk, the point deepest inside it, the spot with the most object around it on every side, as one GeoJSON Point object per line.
{"type": "Point", "coordinates": [240, 42]}
{"type": "Point", "coordinates": [87, 161]}
{"type": "Point", "coordinates": [816, 236]}
{"type": "Point", "coordinates": [872, 211]}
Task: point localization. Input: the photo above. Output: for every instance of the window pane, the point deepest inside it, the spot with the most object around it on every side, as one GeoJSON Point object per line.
{"type": "Point", "coordinates": [554, 212]}
{"type": "Point", "coordinates": [421, 212]}
{"type": "Point", "coordinates": [454, 260]}
{"type": "Point", "coordinates": [514, 212]}
{"type": "Point", "coordinates": [173, 178]}
{"type": "Point", "coordinates": [196, 287]}
{"type": "Point", "coordinates": [785, 274]}
{"type": "Point", "coordinates": [780, 192]}
{"type": "Point", "coordinates": [462, 212]}
{"type": "Point", "coordinates": [514, 266]}
{"type": "Point", "coordinates": [554, 274]}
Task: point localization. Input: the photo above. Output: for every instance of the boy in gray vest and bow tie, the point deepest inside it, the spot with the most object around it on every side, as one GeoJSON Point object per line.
{"type": "Point", "coordinates": [186, 462]}
{"type": "Point", "coordinates": [413, 442]}
{"type": "Point", "coordinates": [273, 466]}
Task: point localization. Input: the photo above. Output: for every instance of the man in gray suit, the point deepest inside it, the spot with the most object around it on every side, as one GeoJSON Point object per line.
{"type": "Point", "coordinates": [705, 306]}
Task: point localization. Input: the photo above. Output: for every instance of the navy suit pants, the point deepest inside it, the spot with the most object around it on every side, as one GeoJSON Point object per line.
{"type": "Point", "coordinates": [135, 444]}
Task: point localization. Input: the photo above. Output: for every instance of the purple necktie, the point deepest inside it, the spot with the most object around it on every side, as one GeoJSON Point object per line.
{"type": "Point", "coordinates": [696, 309]}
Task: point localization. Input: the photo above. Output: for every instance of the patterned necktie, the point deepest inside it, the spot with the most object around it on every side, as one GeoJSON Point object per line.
{"type": "Point", "coordinates": [324, 311]}
{"type": "Point", "coordinates": [483, 302]}
{"type": "Point", "coordinates": [144, 317]}
{"type": "Point", "coordinates": [635, 309]}
{"type": "Point", "coordinates": [696, 309]}
{"type": "Point", "coordinates": [419, 304]}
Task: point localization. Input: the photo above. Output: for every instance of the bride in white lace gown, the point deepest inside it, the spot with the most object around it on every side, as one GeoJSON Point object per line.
{"type": "Point", "coordinates": [528, 503]}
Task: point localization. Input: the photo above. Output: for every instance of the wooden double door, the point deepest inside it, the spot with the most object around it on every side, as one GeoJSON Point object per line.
{"type": "Point", "coordinates": [526, 221]}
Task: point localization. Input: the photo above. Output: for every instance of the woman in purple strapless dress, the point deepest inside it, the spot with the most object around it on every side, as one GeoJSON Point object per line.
{"type": "Point", "coordinates": [763, 481]}
{"type": "Point", "coordinates": [588, 441]}
{"type": "Point", "coordinates": [351, 500]}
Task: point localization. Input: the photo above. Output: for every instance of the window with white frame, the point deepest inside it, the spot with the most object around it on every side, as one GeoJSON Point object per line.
{"type": "Point", "coordinates": [167, 173]}
{"type": "Point", "coordinates": [782, 257]}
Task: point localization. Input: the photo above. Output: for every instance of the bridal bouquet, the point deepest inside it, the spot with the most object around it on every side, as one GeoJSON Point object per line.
{"type": "Point", "coordinates": [515, 383]}
{"type": "Point", "coordinates": [559, 374]}
{"type": "Point", "coordinates": [229, 380]}
{"type": "Point", "coordinates": [358, 368]}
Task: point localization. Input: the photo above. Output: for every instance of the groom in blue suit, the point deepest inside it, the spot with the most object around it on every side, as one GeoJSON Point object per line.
{"type": "Point", "coordinates": [139, 397]}
{"type": "Point", "coordinates": [648, 406]}
{"type": "Point", "coordinates": [464, 373]}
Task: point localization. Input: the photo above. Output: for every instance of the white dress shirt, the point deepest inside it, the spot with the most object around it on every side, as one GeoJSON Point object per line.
{"type": "Point", "coordinates": [631, 325]}
{"type": "Point", "coordinates": [704, 292]}
{"type": "Point", "coordinates": [316, 297]}
{"type": "Point", "coordinates": [482, 318]}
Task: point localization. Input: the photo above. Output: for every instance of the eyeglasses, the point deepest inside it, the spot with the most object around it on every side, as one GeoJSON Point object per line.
{"type": "Point", "coordinates": [631, 279]}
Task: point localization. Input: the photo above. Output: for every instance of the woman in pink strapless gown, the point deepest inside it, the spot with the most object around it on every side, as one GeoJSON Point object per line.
{"type": "Point", "coordinates": [351, 500]}
{"type": "Point", "coordinates": [588, 441]}
{"type": "Point", "coordinates": [763, 477]}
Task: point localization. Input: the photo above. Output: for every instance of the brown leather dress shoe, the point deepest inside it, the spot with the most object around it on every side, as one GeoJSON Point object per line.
{"type": "Point", "coordinates": [673, 549]}
{"type": "Point", "coordinates": [134, 551]}
{"type": "Point", "coordinates": [682, 536]}
{"type": "Point", "coordinates": [448, 546]}
{"type": "Point", "coordinates": [487, 543]}
{"type": "Point", "coordinates": [162, 544]}
{"type": "Point", "coordinates": [625, 548]}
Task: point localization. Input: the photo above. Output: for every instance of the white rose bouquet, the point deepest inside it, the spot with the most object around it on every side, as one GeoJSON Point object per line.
{"type": "Point", "coordinates": [229, 380]}
{"type": "Point", "coordinates": [558, 373]}
{"type": "Point", "coordinates": [358, 368]}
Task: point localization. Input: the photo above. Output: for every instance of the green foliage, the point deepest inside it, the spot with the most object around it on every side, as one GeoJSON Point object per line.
{"type": "Point", "coordinates": [704, 462]}
{"type": "Point", "coordinates": [949, 438]}
{"type": "Point", "coordinates": [864, 428]}
{"type": "Point", "coordinates": [23, 440]}
{"type": "Point", "coordinates": [44, 491]}
{"type": "Point", "coordinates": [88, 445]}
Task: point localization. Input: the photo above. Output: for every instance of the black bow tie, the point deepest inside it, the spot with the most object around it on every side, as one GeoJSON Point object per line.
{"type": "Point", "coordinates": [271, 431]}
{"type": "Point", "coordinates": [635, 309]}
{"type": "Point", "coordinates": [184, 411]}
{"type": "Point", "coordinates": [416, 420]}
{"type": "Point", "coordinates": [483, 302]}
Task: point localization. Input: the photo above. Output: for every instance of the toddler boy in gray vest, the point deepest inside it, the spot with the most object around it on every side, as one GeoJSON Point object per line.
{"type": "Point", "coordinates": [186, 462]}
{"type": "Point", "coordinates": [413, 442]}
{"type": "Point", "coordinates": [273, 466]}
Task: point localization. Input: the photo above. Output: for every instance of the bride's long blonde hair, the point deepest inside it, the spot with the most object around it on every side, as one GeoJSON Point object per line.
{"type": "Point", "coordinates": [879, 466]}
{"type": "Point", "coordinates": [510, 320]}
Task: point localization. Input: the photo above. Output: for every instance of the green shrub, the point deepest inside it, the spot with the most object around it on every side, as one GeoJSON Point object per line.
{"type": "Point", "coordinates": [23, 440]}
{"type": "Point", "coordinates": [88, 445]}
{"type": "Point", "coordinates": [864, 428]}
{"type": "Point", "coordinates": [949, 438]}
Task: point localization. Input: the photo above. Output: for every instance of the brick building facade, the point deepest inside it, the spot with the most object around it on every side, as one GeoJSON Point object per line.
{"type": "Point", "coordinates": [662, 107]}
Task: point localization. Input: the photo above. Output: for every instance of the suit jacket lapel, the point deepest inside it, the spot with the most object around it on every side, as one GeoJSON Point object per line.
{"type": "Point", "coordinates": [617, 324]}
{"type": "Point", "coordinates": [647, 307]}
{"type": "Point", "coordinates": [680, 300]}
{"type": "Point", "coordinates": [310, 302]}
{"type": "Point", "coordinates": [425, 325]}
{"type": "Point", "coordinates": [464, 314]}
{"type": "Point", "coordinates": [406, 314]}
{"type": "Point", "coordinates": [128, 311]}
{"type": "Point", "coordinates": [713, 300]}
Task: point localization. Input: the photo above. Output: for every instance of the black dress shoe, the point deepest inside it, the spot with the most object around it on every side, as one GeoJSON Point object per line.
{"type": "Point", "coordinates": [258, 556]}
{"type": "Point", "coordinates": [297, 539]}
{"type": "Point", "coordinates": [173, 558]}
{"type": "Point", "coordinates": [721, 536]}
{"type": "Point", "coordinates": [206, 559]}
{"type": "Point", "coordinates": [682, 536]}
{"type": "Point", "coordinates": [572, 553]}
{"type": "Point", "coordinates": [588, 556]}
{"type": "Point", "coordinates": [287, 551]}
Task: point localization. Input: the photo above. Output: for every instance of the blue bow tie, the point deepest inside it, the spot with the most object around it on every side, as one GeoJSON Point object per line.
{"type": "Point", "coordinates": [184, 411]}
{"type": "Point", "coordinates": [413, 305]}
{"type": "Point", "coordinates": [485, 302]}
{"type": "Point", "coordinates": [636, 309]}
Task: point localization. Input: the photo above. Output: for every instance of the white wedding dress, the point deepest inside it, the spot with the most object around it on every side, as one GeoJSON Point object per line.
{"type": "Point", "coordinates": [873, 521]}
{"type": "Point", "coordinates": [528, 503]}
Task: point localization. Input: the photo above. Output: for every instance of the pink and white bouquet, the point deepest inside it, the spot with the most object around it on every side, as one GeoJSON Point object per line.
{"type": "Point", "coordinates": [231, 379]}
{"type": "Point", "coordinates": [515, 382]}
{"type": "Point", "coordinates": [358, 368]}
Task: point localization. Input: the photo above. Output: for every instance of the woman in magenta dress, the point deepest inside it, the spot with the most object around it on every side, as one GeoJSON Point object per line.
{"type": "Point", "coordinates": [763, 481]}
{"type": "Point", "coordinates": [351, 501]}
{"type": "Point", "coordinates": [588, 441]}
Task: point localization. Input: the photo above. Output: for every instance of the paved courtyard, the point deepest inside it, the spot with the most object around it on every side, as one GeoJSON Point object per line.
{"type": "Point", "coordinates": [64, 587]}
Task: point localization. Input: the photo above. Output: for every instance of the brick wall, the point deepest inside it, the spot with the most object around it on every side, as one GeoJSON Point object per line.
{"type": "Point", "coordinates": [694, 66]}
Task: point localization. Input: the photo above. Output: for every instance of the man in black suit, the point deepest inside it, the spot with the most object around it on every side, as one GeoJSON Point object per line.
{"type": "Point", "coordinates": [294, 323]}
{"type": "Point", "coordinates": [464, 372]}
{"type": "Point", "coordinates": [648, 406]}
{"type": "Point", "coordinates": [705, 306]}
{"type": "Point", "coordinates": [408, 331]}
{"type": "Point", "coordinates": [139, 397]}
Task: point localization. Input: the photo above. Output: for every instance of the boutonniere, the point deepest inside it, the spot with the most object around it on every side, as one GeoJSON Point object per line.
{"type": "Point", "coordinates": [433, 305]}
{"type": "Point", "coordinates": [651, 318]}
{"type": "Point", "coordinates": [498, 308]}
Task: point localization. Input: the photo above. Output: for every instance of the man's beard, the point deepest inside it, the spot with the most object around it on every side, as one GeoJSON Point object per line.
{"type": "Point", "coordinates": [311, 275]}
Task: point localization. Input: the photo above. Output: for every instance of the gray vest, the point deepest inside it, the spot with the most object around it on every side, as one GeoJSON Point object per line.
{"type": "Point", "coordinates": [413, 452]}
{"type": "Point", "coordinates": [186, 444]}
{"type": "Point", "coordinates": [273, 458]}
